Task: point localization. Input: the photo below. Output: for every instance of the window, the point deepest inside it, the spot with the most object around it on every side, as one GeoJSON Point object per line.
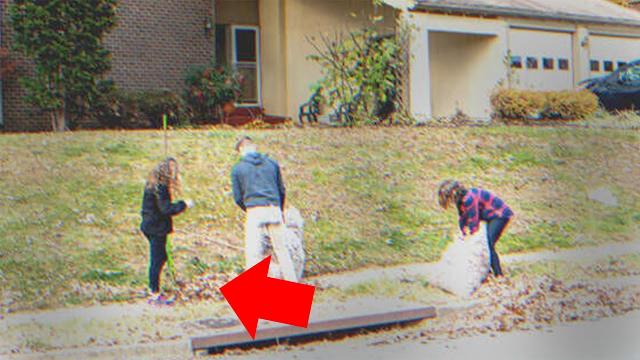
{"type": "Point", "coordinates": [516, 62]}
{"type": "Point", "coordinates": [563, 64]}
{"type": "Point", "coordinates": [595, 65]}
{"type": "Point", "coordinates": [245, 60]}
{"type": "Point", "coordinates": [547, 63]}
{"type": "Point", "coordinates": [621, 64]}
{"type": "Point", "coordinates": [532, 63]}
{"type": "Point", "coordinates": [245, 45]}
{"type": "Point", "coordinates": [608, 65]}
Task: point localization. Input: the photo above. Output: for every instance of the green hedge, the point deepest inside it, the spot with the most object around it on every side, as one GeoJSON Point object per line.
{"type": "Point", "coordinates": [509, 104]}
{"type": "Point", "coordinates": [138, 109]}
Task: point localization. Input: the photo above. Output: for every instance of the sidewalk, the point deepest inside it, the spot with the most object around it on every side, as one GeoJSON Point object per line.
{"type": "Point", "coordinates": [412, 271]}
{"type": "Point", "coordinates": [106, 329]}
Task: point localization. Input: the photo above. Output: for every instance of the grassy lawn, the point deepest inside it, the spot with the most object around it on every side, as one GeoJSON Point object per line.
{"type": "Point", "coordinates": [70, 202]}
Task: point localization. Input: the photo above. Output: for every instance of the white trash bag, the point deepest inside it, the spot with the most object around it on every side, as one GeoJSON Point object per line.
{"type": "Point", "coordinates": [295, 239]}
{"type": "Point", "coordinates": [294, 242]}
{"type": "Point", "coordinates": [464, 265]}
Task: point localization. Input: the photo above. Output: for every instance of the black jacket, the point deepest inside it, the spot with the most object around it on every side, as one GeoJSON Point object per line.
{"type": "Point", "coordinates": [257, 181]}
{"type": "Point", "coordinates": [157, 211]}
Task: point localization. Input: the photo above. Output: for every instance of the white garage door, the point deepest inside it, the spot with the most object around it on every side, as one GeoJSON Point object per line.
{"type": "Point", "coordinates": [541, 60]}
{"type": "Point", "coordinates": [609, 52]}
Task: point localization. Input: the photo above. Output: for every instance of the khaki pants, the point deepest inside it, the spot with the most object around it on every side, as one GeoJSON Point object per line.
{"type": "Point", "coordinates": [265, 224]}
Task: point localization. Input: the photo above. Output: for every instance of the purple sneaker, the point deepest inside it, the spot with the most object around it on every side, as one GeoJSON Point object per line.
{"type": "Point", "coordinates": [160, 300]}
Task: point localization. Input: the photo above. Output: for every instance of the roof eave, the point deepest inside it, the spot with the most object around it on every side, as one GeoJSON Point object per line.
{"type": "Point", "coordinates": [485, 10]}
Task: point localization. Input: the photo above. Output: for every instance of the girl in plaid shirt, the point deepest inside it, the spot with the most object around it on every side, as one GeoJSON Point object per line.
{"type": "Point", "coordinates": [475, 205]}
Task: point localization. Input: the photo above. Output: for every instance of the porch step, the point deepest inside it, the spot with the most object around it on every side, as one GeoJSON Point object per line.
{"type": "Point", "coordinates": [244, 115]}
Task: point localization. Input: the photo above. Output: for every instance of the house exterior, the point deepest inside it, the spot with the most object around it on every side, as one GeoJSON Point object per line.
{"type": "Point", "coordinates": [461, 49]}
{"type": "Point", "coordinates": [274, 33]}
{"type": "Point", "coordinates": [461, 46]}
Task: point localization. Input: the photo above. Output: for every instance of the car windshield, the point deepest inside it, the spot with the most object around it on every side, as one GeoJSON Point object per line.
{"type": "Point", "coordinates": [630, 74]}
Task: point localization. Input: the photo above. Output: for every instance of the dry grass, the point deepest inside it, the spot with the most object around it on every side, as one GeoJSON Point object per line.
{"type": "Point", "coordinates": [70, 202]}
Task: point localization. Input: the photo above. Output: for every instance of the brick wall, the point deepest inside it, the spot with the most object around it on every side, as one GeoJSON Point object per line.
{"type": "Point", "coordinates": [157, 40]}
{"type": "Point", "coordinates": [153, 45]}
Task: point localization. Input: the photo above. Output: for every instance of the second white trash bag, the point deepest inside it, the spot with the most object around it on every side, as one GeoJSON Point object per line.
{"type": "Point", "coordinates": [294, 241]}
{"type": "Point", "coordinates": [464, 265]}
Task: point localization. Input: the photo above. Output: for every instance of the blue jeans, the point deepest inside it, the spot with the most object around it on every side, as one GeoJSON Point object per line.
{"type": "Point", "coordinates": [495, 228]}
{"type": "Point", "coordinates": [158, 257]}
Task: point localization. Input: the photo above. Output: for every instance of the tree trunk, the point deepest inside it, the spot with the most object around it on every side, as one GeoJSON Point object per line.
{"type": "Point", "coordinates": [58, 123]}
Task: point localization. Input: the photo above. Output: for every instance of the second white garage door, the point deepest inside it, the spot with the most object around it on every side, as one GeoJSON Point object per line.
{"type": "Point", "coordinates": [609, 52]}
{"type": "Point", "coordinates": [541, 60]}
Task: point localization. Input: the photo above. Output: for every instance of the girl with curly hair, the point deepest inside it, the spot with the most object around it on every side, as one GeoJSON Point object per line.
{"type": "Point", "coordinates": [475, 205]}
{"type": "Point", "coordinates": [157, 210]}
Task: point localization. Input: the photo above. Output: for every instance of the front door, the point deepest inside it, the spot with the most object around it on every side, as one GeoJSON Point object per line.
{"type": "Point", "coordinates": [245, 59]}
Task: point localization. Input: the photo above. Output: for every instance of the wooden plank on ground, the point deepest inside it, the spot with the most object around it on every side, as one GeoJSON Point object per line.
{"type": "Point", "coordinates": [240, 338]}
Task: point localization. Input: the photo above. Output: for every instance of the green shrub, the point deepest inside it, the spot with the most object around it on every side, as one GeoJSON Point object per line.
{"type": "Point", "coordinates": [208, 88]}
{"type": "Point", "coordinates": [64, 43]}
{"type": "Point", "coordinates": [509, 104]}
{"type": "Point", "coordinates": [114, 108]}
{"type": "Point", "coordinates": [363, 71]}
{"type": "Point", "coordinates": [136, 110]}
{"type": "Point", "coordinates": [153, 104]}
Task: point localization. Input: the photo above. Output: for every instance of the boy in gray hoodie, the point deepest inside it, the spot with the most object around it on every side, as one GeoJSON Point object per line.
{"type": "Point", "coordinates": [258, 190]}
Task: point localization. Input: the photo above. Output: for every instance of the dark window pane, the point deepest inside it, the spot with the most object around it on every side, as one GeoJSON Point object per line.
{"type": "Point", "coordinates": [595, 65]}
{"type": "Point", "coordinates": [516, 62]}
{"type": "Point", "coordinates": [563, 64]}
{"type": "Point", "coordinates": [608, 66]}
{"type": "Point", "coordinates": [532, 63]}
{"type": "Point", "coordinates": [246, 45]}
{"type": "Point", "coordinates": [621, 64]}
{"type": "Point", "coordinates": [547, 63]}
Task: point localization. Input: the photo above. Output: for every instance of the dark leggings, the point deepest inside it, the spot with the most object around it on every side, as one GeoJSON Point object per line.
{"type": "Point", "coordinates": [495, 228]}
{"type": "Point", "coordinates": [158, 256]}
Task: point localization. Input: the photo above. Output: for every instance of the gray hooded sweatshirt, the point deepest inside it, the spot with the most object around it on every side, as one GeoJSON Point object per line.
{"type": "Point", "coordinates": [257, 181]}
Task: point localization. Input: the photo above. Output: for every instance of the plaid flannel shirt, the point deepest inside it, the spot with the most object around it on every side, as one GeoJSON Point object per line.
{"type": "Point", "coordinates": [480, 205]}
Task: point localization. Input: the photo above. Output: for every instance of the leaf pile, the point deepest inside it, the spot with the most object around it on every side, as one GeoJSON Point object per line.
{"type": "Point", "coordinates": [203, 287]}
{"type": "Point", "coordinates": [526, 303]}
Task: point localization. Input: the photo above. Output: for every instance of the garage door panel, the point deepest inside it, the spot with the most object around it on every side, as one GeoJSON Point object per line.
{"type": "Point", "coordinates": [608, 52]}
{"type": "Point", "coordinates": [546, 59]}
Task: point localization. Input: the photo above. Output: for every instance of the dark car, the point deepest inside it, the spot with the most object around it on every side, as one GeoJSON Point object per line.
{"type": "Point", "coordinates": [619, 90]}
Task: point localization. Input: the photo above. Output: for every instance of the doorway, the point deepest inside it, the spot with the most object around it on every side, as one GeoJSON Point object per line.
{"type": "Point", "coordinates": [245, 59]}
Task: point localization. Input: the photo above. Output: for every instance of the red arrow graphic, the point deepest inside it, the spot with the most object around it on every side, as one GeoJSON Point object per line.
{"type": "Point", "coordinates": [253, 295]}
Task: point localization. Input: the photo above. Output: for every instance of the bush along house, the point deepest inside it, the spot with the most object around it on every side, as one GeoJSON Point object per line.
{"type": "Point", "coordinates": [460, 49]}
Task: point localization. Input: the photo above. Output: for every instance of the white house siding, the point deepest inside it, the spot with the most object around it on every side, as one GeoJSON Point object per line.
{"type": "Point", "coordinates": [612, 50]}
{"type": "Point", "coordinates": [455, 63]}
{"type": "Point", "coordinates": [533, 49]}
{"type": "Point", "coordinates": [459, 64]}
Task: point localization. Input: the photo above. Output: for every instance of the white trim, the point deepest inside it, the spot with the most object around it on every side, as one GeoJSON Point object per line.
{"type": "Point", "coordinates": [542, 28]}
{"type": "Point", "coordinates": [462, 25]}
{"type": "Point", "coordinates": [614, 34]}
{"type": "Point", "coordinates": [257, 63]}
